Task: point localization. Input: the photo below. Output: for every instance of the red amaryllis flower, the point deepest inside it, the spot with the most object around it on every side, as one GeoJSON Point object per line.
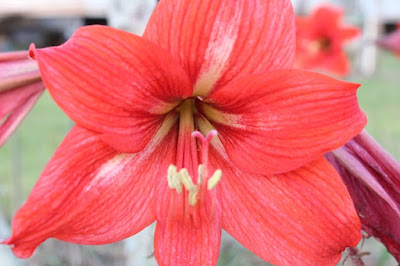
{"type": "Point", "coordinates": [391, 42]}
{"type": "Point", "coordinates": [320, 40]}
{"type": "Point", "coordinates": [20, 87]}
{"type": "Point", "coordinates": [372, 177]}
{"type": "Point", "coordinates": [131, 159]}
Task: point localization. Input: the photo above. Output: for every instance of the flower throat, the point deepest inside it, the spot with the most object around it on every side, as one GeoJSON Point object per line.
{"type": "Point", "coordinates": [198, 194]}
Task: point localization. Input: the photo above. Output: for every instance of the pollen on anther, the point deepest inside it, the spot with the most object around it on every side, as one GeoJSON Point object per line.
{"type": "Point", "coordinates": [200, 174]}
{"type": "Point", "coordinates": [193, 196]}
{"type": "Point", "coordinates": [185, 179]}
{"type": "Point", "coordinates": [214, 179]}
{"type": "Point", "coordinates": [173, 179]}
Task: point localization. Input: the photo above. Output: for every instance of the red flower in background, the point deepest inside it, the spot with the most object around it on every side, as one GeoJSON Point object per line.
{"type": "Point", "coordinates": [131, 159]}
{"type": "Point", "coordinates": [320, 40]}
{"type": "Point", "coordinates": [391, 41]}
{"type": "Point", "coordinates": [20, 87]}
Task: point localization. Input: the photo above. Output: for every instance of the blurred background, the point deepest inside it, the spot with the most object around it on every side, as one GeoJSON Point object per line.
{"type": "Point", "coordinates": [23, 157]}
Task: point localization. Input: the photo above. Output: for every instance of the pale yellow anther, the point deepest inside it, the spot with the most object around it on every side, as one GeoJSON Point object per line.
{"type": "Point", "coordinates": [187, 182]}
{"type": "Point", "coordinates": [200, 174]}
{"type": "Point", "coordinates": [173, 179]}
{"type": "Point", "coordinates": [214, 179]}
{"type": "Point", "coordinates": [185, 179]}
{"type": "Point", "coordinates": [193, 196]}
{"type": "Point", "coordinates": [178, 180]}
{"type": "Point", "coordinates": [170, 176]}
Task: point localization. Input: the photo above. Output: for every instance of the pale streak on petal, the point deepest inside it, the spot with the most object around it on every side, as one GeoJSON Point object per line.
{"type": "Point", "coordinates": [163, 107]}
{"type": "Point", "coordinates": [108, 172]}
{"type": "Point", "coordinates": [232, 120]}
{"type": "Point", "coordinates": [113, 166]}
{"type": "Point", "coordinates": [110, 169]}
{"type": "Point", "coordinates": [220, 47]}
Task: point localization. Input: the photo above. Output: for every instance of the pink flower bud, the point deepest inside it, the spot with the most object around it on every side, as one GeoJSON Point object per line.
{"type": "Point", "coordinates": [20, 87]}
{"type": "Point", "coordinates": [372, 177]}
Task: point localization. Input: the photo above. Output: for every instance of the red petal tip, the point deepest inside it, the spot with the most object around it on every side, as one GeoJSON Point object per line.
{"type": "Point", "coordinates": [20, 252]}
{"type": "Point", "coordinates": [5, 241]}
{"type": "Point", "coordinates": [24, 253]}
{"type": "Point", "coordinates": [32, 51]}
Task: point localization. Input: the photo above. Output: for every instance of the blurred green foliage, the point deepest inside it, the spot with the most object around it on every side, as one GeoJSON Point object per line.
{"type": "Point", "coordinates": [379, 97]}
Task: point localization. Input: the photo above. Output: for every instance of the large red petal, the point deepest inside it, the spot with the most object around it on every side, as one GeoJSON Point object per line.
{"type": "Point", "coordinates": [217, 40]}
{"type": "Point", "coordinates": [186, 241]}
{"type": "Point", "coordinates": [91, 194]}
{"type": "Point", "coordinates": [281, 120]}
{"type": "Point", "coordinates": [114, 83]}
{"type": "Point", "coordinates": [304, 217]}
{"type": "Point", "coordinates": [181, 243]}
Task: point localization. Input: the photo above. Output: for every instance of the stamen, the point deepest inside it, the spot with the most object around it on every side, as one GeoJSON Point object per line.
{"type": "Point", "coordinates": [196, 192]}
{"type": "Point", "coordinates": [200, 174]}
{"type": "Point", "coordinates": [170, 176]}
{"type": "Point", "coordinates": [193, 196]}
{"type": "Point", "coordinates": [187, 182]}
{"type": "Point", "coordinates": [185, 179]}
{"type": "Point", "coordinates": [214, 179]}
{"type": "Point", "coordinates": [173, 179]}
